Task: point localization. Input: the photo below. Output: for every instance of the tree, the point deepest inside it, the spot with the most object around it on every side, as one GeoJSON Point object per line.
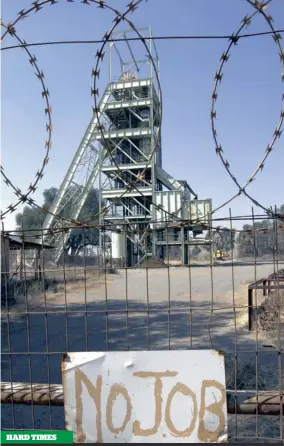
{"type": "Point", "coordinates": [262, 238]}
{"type": "Point", "coordinates": [33, 218]}
{"type": "Point", "coordinates": [82, 237]}
{"type": "Point", "coordinates": [224, 239]}
{"type": "Point", "coordinates": [196, 250]}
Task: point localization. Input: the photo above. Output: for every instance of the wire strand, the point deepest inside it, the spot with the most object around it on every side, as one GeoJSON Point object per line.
{"type": "Point", "coordinates": [132, 39]}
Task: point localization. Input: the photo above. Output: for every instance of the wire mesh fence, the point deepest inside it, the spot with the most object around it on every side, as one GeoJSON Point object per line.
{"type": "Point", "coordinates": [93, 301]}
{"type": "Point", "coordinates": [193, 283]}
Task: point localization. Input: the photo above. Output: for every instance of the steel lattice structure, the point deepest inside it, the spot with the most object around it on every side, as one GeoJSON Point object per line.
{"type": "Point", "coordinates": [89, 158]}
{"type": "Point", "coordinates": [132, 6]}
{"type": "Point", "coordinates": [122, 150]}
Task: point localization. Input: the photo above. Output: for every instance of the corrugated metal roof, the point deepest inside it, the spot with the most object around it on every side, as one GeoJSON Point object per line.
{"type": "Point", "coordinates": [17, 242]}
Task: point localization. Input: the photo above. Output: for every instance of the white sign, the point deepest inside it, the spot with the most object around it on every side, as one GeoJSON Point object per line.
{"type": "Point", "coordinates": [144, 397]}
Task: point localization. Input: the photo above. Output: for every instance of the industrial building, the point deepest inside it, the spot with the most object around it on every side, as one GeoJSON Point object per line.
{"type": "Point", "coordinates": [142, 207]}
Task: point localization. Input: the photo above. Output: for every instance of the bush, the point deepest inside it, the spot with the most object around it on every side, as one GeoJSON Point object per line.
{"type": "Point", "coordinates": [269, 316]}
{"type": "Point", "coordinates": [246, 375]}
{"type": "Point", "coordinates": [14, 289]}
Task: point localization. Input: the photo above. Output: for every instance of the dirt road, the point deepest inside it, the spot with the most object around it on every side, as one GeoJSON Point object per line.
{"type": "Point", "coordinates": [201, 316]}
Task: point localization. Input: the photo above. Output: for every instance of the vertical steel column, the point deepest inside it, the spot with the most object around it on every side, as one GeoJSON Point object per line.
{"type": "Point", "coordinates": [250, 308]}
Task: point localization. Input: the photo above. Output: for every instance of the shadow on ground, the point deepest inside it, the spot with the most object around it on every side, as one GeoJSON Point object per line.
{"type": "Point", "coordinates": [32, 349]}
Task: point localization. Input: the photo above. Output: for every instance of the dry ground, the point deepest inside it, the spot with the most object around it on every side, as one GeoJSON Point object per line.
{"type": "Point", "coordinates": [207, 310]}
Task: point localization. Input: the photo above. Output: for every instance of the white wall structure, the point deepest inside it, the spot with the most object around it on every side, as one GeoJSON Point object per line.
{"type": "Point", "coordinates": [168, 202]}
{"type": "Point", "coordinates": [200, 210]}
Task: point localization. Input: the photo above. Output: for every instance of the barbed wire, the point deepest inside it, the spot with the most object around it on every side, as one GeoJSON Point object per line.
{"type": "Point", "coordinates": [10, 28]}
{"type": "Point", "coordinates": [135, 39]}
{"type": "Point", "coordinates": [247, 20]}
{"type": "Point", "coordinates": [167, 225]}
{"type": "Point", "coordinates": [38, 5]}
{"type": "Point", "coordinates": [95, 92]}
{"type": "Point", "coordinates": [45, 95]}
{"type": "Point", "coordinates": [96, 71]}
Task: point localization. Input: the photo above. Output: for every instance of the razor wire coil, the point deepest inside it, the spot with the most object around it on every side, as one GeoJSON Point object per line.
{"type": "Point", "coordinates": [119, 17]}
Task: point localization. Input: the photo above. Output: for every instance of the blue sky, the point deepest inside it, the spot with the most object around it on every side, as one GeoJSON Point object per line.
{"type": "Point", "coordinates": [248, 105]}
